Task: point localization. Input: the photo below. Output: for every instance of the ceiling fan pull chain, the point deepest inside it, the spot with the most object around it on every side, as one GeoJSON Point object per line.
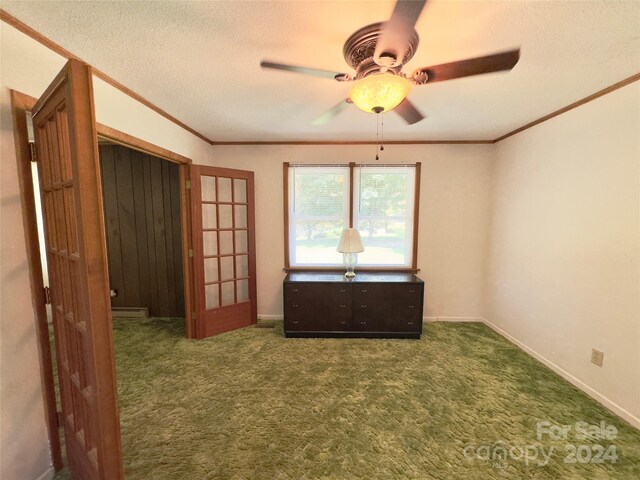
{"type": "Point", "coordinates": [377, 134]}
{"type": "Point", "coordinates": [382, 133]}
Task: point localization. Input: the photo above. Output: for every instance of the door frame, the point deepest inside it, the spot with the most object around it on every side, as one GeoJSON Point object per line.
{"type": "Point", "coordinates": [21, 104]}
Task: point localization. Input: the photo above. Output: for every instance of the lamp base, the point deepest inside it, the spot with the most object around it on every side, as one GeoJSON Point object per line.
{"type": "Point", "coordinates": [350, 261]}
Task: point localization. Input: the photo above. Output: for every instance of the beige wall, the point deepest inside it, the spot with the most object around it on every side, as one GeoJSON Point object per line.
{"type": "Point", "coordinates": [453, 215]}
{"type": "Point", "coordinates": [563, 264]}
{"type": "Point", "coordinates": [557, 264]}
{"type": "Point", "coordinates": [28, 67]}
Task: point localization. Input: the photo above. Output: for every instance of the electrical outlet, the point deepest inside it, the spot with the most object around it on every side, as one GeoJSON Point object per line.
{"type": "Point", "coordinates": [597, 357]}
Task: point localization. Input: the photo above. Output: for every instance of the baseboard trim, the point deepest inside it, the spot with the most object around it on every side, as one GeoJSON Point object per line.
{"type": "Point", "coordinates": [600, 398]}
{"type": "Point", "coordinates": [130, 312]}
{"type": "Point", "coordinates": [47, 475]}
{"type": "Point", "coordinates": [271, 317]}
{"type": "Point", "coordinates": [453, 319]}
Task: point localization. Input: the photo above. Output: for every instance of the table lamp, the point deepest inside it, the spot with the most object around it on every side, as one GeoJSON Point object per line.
{"type": "Point", "coordinates": [350, 245]}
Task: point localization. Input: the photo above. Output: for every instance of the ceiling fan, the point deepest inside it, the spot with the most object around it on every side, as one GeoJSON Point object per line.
{"type": "Point", "coordinates": [378, 52]}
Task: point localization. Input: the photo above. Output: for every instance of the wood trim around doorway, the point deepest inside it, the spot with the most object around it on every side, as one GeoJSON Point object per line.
{"type": "Point", "coordinates": [20, 105]}
{"type": "Point", "coordinates": [135, 143]}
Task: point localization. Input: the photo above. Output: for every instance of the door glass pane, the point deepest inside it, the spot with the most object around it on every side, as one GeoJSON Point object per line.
{"type": "Point", "coordinates": [241, 241]}
{"type": "Point", "coordinates": [226, 216]}
{"type": "Point", "coordinates": [226, 243]}
{"type": "Point", "coordinates": [211, 295]}
{"type": "Point", "coordinates": [239, 190]}
{"type": "Point", "coordinates": [210, 269]}
{"type": "Point", "coordinates": [242, 266]}
{"type": "Point", "coordinates": [209, 216]}
{"type": "Point", "coordinates": [210, 243]}
{"type": "Point", "coordinates": [224, 189]}
{"type": "Point", "coordinates": [208, 188]}
{"type": "Point", "coordinates": [228, 293]}
{"type": "Point", "coordinates": [241, 216]}
{"type": "Point", "coordinates": [226, 268]}
{"type": "Point", "coordinates": [243, 290]}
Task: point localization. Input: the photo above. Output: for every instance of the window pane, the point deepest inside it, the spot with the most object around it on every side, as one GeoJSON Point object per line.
{"type": "Point", "coordinates": [210, 269]}
{"type": "Point", "coordinates": [226, 268]}
{"type": "Point", "coordinates": [208, 188]}
{"type": "Point", "coordinates": [318, 212]}
{"type": "Point", "coordinates": [209, 216]}
{"type": "Point", "coordinates": [228, 293]}
{"type": "Point", "coordinates": [242, 266]}
{"type": "Point", "coordinates": [242, 242]}
{"type": "Point", "coordinates": [226, 243]}
{"type": "Point", "coordinates": [243, 290]}
{"type": "Point", "coordinates": [210, 243]}
{"type": "Point", "coordinates": [239, 190]}
{"type": "Point", "coordinates": [211, 295]}
{"type": "Point", "coordinates": [226, 217]}
{"type": "Point", "coordinates": [224, 189]}
{"type": "Point", "coordinates": [241, 216]}
{"type": "Point", "coordinates": [384, 243]}
{"type": "Point", "coordinates": [383, 214]}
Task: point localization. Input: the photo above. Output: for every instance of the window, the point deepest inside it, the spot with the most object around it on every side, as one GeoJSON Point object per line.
{"type": "Point", "coordinates": [380, 201]}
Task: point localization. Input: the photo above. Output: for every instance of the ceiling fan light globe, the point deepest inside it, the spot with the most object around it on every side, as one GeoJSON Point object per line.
{"type": "Point", "coordinates": [379, 91]}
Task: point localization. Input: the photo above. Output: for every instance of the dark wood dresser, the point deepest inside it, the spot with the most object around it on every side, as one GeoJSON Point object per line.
{"type": "Point", "coordinates": [372, 305]}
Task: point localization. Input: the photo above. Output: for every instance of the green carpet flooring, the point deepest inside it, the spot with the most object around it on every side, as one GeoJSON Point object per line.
{"type": "Point", "coordinates": [252, 405]}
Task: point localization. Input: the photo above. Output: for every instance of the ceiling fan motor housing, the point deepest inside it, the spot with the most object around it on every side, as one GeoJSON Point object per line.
{"type": "Point", "coordinates": [360, 47]}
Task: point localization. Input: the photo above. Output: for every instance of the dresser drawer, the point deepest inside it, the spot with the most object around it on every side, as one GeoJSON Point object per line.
{"type": "Point", "coordinates": [317, 307]}
{"type": "Point", "coordinates": [388, 308]}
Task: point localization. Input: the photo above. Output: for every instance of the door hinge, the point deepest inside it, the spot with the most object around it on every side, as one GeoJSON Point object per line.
{"type": "Point", "coordinates": [47, 296]}
{"type": "Point", "coordinates": [190, 253]}
{"type": "Point", "coordinates": [188, 185]}
{"type": "Point", "coordinates": [32, 148]}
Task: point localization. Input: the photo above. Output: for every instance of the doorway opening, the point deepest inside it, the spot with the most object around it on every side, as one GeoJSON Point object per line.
{"type": "Point", "coordinates": [141, 198]}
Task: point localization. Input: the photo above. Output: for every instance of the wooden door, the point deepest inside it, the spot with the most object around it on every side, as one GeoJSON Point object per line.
{"type": "Point", "coordinates": [223, 223]}
{"type": "Point", "coordinates": [67, 153]}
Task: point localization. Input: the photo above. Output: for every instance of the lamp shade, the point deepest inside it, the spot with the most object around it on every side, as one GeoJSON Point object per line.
{"type": "Point", "coordinates": [350, 241]}
{"type": "Point", "coordinates": [381, 90]}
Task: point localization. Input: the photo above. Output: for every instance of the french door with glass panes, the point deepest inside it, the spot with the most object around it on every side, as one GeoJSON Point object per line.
{"type": "Point", "coordinates": [224, 253]}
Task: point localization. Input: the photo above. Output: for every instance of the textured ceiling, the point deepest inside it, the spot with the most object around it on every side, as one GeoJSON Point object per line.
{"type": "Point", "coordinates": [199, 61]}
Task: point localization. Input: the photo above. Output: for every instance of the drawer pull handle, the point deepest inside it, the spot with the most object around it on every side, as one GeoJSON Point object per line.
{"type": "Point", "coordinates": [294, 306]}
{"type": "Point", "coordinates": [343, 323]}
{"type": "Point", "coordinates": [363, 323]}
{"type": "Point", "coordinates": [409, 323]}
{"type": "Point", "coordinates": [296, 322]}
{"type": "Point", "coordinates": [295, 290]}
{"type": "Point", "coordinates": [363, 290]}
{"type": "Point", "coordinates": [342, 290]}
{"type": "Point", "coordinates": [410, 291]}
{"type": "Point", "coordinates": [343, 306]}
{"type": "Point", "coordinates": [411, 306]}
{"type": "Point", "coordinates": [363, 306]}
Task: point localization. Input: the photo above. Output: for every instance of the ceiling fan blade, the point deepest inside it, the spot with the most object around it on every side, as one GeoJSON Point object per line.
{"type": "Point", "coordinates": [330, 114]}
{"type": "Point", "coordinates": [342, 77]}
{"type": "Point", "coordinates": [466, 68]}
{"type": "Point", "coordinates": [408, 112]}
{"type": "Point", "coordinates": [396, 34]}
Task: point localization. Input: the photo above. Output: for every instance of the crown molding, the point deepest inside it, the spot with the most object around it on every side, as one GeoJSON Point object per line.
{"type": "Point", "coordinates": [27, 30]}
{"type": "Point", "coordinates": [357, 142]}
{"type": "Point", "coordinates": [579, 103]}
{"type": "Point", "coordinates": [51, 45]}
